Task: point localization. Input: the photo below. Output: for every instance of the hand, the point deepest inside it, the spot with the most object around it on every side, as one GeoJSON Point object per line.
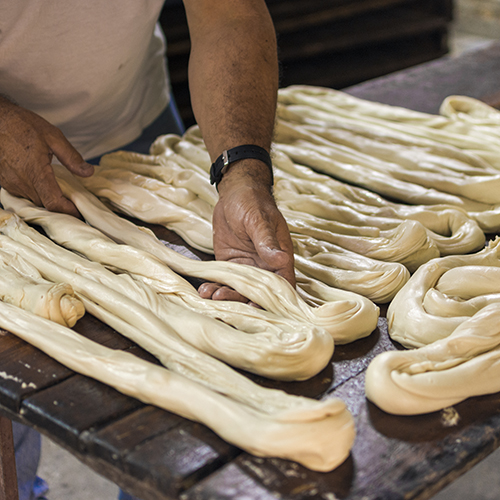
{"type": "Point", "coordinates": [249, 229]}
{"type": "Point", "coordinates": [27, 146]}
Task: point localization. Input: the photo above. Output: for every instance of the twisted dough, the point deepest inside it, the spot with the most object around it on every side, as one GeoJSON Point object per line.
{"type": "Point", "coordinates": [450, 310]}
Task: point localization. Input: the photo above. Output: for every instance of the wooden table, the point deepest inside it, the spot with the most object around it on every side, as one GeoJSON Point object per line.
{"type": "Point", "coordinates": [158, 455]}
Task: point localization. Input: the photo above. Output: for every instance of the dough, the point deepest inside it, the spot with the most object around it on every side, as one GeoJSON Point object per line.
{"type": "Point", "coordinates": [333, 265]}
{"type": "Point", "coordinates": [317, 434]}
{"type": "Point", "coordinates": [411, 315]}
{"type": "Point", "coordinates": [23, 286]}
{"type": "Point", "coordinates": [464, 364]}
{"type": "Point", "coordinates": [408, 156]}
{"type": "Point", "coordinates": [274, 347]}
{"type": "Point", "coordinates": [264, 288]}
{"type": "Point", "coordinates": [450, 310]}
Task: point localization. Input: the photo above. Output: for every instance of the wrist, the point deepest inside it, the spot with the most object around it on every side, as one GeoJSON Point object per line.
{"type": "Point", "coordinates": [238, 154]}
{"type": "Point", "coordinates": [249, 173]}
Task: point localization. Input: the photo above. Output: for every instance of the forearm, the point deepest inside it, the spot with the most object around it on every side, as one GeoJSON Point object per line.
{"type": "Point", "coordinates": [233, 74]}
{"type": "Point", "coordinates": [233, 79]}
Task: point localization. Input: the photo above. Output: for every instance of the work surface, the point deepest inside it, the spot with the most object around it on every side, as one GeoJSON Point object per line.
{"type": "Point", "coordinates": [158, 455]}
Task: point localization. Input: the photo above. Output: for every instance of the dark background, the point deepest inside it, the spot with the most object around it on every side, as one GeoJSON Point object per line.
{"type": "Point", "coordinates": [331, 43]}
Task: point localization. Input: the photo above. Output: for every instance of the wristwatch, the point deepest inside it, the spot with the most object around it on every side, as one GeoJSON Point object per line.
{"type": "Point", "coordinates": [228, 156]}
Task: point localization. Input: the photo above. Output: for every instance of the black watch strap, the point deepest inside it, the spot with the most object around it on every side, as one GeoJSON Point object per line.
{"type": "Point", "coordinates": [238, 153]}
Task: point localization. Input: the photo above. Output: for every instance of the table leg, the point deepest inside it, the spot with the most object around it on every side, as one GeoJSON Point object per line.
{"type": "Point", "coordinates": [8, 475]}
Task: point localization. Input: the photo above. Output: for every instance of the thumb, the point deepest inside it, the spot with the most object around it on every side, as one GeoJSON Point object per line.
{"type": "Point", "coordinates": [268, 247]}
{"type": "Point", "coordinates": [274, 246]}
{"type": "Point", "coordinates": [64, 151]}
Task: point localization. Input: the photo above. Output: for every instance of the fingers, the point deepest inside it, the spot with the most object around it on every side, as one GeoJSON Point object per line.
{"type": "Point", "coordinates": [67, 154]}
{"type": "Point", "coordinates": [216, 291]}
{"type": "Point", "coordinates": [49, 191]}
{"type": "Point", "coordinates": [50, 194]}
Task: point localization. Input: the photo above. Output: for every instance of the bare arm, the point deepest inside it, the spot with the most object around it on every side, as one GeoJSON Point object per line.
{"type": "Point", "coordinates": [233, 78]}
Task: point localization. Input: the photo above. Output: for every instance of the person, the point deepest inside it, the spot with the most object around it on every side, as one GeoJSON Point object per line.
{"type": "Point", "coordinates": [79, 79]}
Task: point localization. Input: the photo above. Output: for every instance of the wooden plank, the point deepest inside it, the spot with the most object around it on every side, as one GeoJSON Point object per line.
{"type": "Point", "coordinates": [179, 458]}
{"type": "Point", "coordinates": [24, 370]}
{"type": "Point", "coordinates": [160, 449]}
{"type": "Point", "coordinates": [75, 405]}
{"type": "Point", "coordinates": [114, 441]}
{"type": "Point", "coordinates": [8, 474]}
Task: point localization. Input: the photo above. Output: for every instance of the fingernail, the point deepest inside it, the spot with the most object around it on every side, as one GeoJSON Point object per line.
{"type": "Point", "coordinates": [87, 167]}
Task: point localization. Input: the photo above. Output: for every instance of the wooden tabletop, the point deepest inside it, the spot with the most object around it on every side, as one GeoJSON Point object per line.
{"type": "Point", "coordinates": [157, 455]}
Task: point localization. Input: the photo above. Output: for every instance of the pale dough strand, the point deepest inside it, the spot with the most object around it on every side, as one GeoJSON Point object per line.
{"type": "Point", "coordinates": [443, 373]}
{"type": "Point", "coordinates": [147, 205]}
{"type": "Point", "coordinates": [321, 441]}
{"type": "Point", "coordinates": [274, 347]}
{"type": "Point", "coordinates": [409, 321]}
{"type": "Point", "coordinates": [331, 265]}
{"type": "Point", "coordinates": [264, 288]}
{"type": "Point", "coordinates": [467, 136]}
{"type": "Point", "coordinates": [260, 342]}
{"type": "Point", "coordinates": [450, 228]}
{"type": "Point", "coordinates": [117, 304]}
{"type": "Point", "coordinates": [22, 285]}
{"type": "Point", "coordinates": [176, 172]}
{"type": "Point", "coordinates": [453, 132]}
{"type": "Point", "coordinates": [408, 243]}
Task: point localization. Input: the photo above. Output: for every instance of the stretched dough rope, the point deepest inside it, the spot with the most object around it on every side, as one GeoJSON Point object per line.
{"type": "Point", "coordinates": [464, 159]}
{"type": "Point", "coordinates": [407, 244]}
{"type": "Point", "coordinates": [332, 265]}
{"type": "Point", "coordinates": [449, 228]}
{"type": "Point", "coordinates": [351, 164]}
{"type": "Point", "coordinates": [266, 289]}
{"type": "Point", "coordinates": [115, 300]}
{"type": "Point", "coordinates": [452, 130]}
{"type": "Point", "coordinates": [450, 310]}
{"type": "Point", "coordinates": [317, 434]}
{"type": "Point", "coordinates": [22, 285]}
{"type": "Point", "coordinates": [409, 319]}
{"type": "Point", "coordinates": [149, 205]}
{"type": "Point", "coordinates": [274, 347]}
{"type": "Point", "coordinates": [275, 344]}
{"type": "Point", "coordinates": [262, 342]}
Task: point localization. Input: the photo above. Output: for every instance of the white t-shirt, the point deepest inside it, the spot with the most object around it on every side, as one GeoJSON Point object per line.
{"type": "Point", "coordinates": [93, 68]}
